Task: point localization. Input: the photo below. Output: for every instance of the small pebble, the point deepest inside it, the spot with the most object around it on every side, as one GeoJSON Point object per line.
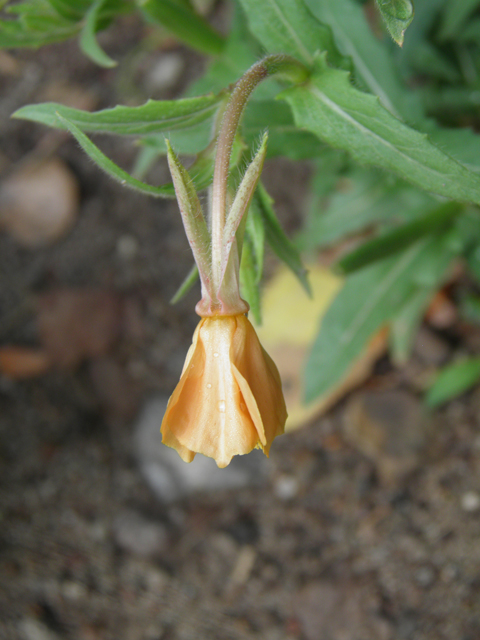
{"type": "Point", "coordinates": [127, 247]}
{"type": "Point", "coordinates": [425, 576]}
{"type": "Point", "coordinates": [165, 72]}
{"type": "Point", "coordinates": [171, 478]}
{"type": "Point", "coordinates": [470, 501]}
{"type": "Point", "coordinates": [286, 487]}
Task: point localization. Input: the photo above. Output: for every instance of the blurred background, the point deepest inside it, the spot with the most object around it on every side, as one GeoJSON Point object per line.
{"type": "Point", "coordinates": [363, 525]}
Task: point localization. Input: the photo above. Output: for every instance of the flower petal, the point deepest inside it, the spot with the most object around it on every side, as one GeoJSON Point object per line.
{"type": "Point", "coordinates": [255, 366]}
{"type": "Point", "coordinates": [207, 413]}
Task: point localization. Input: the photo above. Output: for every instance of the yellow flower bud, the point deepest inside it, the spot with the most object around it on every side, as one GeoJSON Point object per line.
{"type": "Point", "coordinates": [229, 399]}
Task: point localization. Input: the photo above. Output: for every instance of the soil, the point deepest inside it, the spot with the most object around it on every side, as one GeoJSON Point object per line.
{"type": "Point", "coordinates": [334, 545]}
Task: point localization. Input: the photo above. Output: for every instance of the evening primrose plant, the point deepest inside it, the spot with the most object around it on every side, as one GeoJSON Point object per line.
{"type": "Point", "coordinates": [389, 133]}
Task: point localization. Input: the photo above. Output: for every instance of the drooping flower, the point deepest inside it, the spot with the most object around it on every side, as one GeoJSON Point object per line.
{"type": "Point", "coordinates": [229, 399]}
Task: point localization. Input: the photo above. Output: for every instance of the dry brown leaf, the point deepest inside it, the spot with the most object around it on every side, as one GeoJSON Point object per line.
{"type": "Point", "coordinates": [21, 363]}
{"type": "Point", "coordinates": [75, 324]}
{"type": "Point", "coordinates": [39, 202]}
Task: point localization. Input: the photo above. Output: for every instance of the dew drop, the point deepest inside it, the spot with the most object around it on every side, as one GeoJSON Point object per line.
{"type": "Point", "coordinates": [221, 406]}
{"type": "Point", "coordinates": [209, 386]}
{"type": "Point", "coordinates": [215, 355]}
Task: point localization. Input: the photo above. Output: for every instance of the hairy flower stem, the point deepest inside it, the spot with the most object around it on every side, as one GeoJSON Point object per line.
{"type": "Point", "coordinates": [231, 119]}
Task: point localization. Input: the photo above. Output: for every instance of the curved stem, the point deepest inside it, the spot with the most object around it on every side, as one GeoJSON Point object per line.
{"type": "Point", "coordinates": [231, 119]}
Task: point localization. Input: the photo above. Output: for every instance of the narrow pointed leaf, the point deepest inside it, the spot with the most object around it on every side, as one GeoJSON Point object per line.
{"type": "Point", "coordinates": [113, 170]}
{"type": "Point", "coordinates": [154, 116]}
{"type": "Point", "coordinates": [279, 241]}
{"type": "Point", "coordinates": [453, 381]}
{"type": "Point", "coordinates": [287, 26]}
{"type": "Point", "coordinates": [186, 285]}
{"type": "Point", "coordinates": [374, 65]}
{"type": "Point", "coordinates": [249, 287]}
{"type": "Point", "coordinates": [88, 40]}
{"type": "Point", "coordinates": [184, 23]}
{"type": "Point", "coordinates": [397, 239]}
{"type": "Point", "coordinates": [255, 232]}
{"type": "Point", "coordinates": [369, 300]}
{"type": "Point", "coordinates": [346, 118]}
{"type": "Point", "coordinates": [406, 323]}
{"type": "Point", "coordinates": [241, 202]}
{"type": "Point", "coordinates": [397, 15]}
{"type": "Point", "coordinates": [192, 216]}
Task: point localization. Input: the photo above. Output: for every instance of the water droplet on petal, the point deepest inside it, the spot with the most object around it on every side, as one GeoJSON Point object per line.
{"type": "Point", "coordinates": [209, 386]}
{"type": "Point", "coordinates": [221, 406]}
{"type": "Point", "coordinates": [215, 355]}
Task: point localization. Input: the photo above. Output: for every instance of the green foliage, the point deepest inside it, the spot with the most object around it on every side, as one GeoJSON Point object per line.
{"type": "Point", "coordinates": [397, 15]}
{"type": "Point", "coordinates": [390, 133]}
{"type": "Point", "coordinates": [40, 22]}
{"type": "Point", "coordinates": [454, 380]}
{"type": "Point", "coordinates": [370, 299]}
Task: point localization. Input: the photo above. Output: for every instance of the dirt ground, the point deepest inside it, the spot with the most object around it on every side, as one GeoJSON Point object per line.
{"type": "Point", "coordinates": [365, 525]}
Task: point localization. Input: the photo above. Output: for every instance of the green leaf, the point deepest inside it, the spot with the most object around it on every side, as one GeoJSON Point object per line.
{"type": "Point", "coordinates": [430, 61]}
{"type": "Point", "coordinates": [70, 9]}
{"type": "Point", "coordinates": [88, 40]}
{"type": "Point", "coordinates": [406, 323]}
{"type": "Point", "coordinates": [249, 287]}
{"type": "Point", "coordinates": [470, 308]}
{"type": "Point", "coordinates": [473, 259]}
{"type": "Point", "coordinates": [241, 202]}
{"type": "Point", "coordinates": [362, 198]}
{"type": "Point", "coordinates": [455, 14]}
{"type": "Point", "coordinates": [284, 138]}
{"type": "Point", "coordinates": [152, 117]}
{"type": "Point", "coordinates": [111, 168]}
{"type": "Point", "coordinates": [397, 15]}
{"type": "Point", "coordinates": [192, 216]}
{"type": "Point", "coordinates": [241, 51]}
{"type": "Point", "coordinates": [13, 34]}
{"type": "Point", "coordinates": [278, 241]}
{"type": "Point", "coordinates": [287, 26]}
{"type": "Point", "coordinates": [373, 63]}
{"type": "Point", "coordinates": [346, 118]}
{"type": "Point", "coordinates": [454, 380]}
{"type": "Point", "coordinates": [461, 144]}
{"type": "Point", "coordinates": [255, 232]}
{"type": "Point", "coordinates": [399, 238]}
{"type": "Point", "coordinates": [369, 300]}
{"type": "Point", "coordinates": [184, 23]}
{"type": "Point", "coordinates": [186, 285]}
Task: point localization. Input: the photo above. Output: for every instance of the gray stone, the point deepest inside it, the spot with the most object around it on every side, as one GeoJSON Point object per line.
{"type": "Point", "coordinates": [390, 428]}
{"type": "Point", "coordinates": [137, 534]}
{"type": "Point", "coordinates": [31, 629]}
{"type": "Point", "coordinates": [171, 478]}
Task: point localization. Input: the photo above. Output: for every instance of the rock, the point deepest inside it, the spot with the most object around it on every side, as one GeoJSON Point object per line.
{"type": "Point", "coordinates": [390, 428]}
{"type": "Point", "coordinates": [127, 247]}
{"type": "Point", "coordinates": [170, 478]}
{"type": "Point", "coordinates": [31, 629]}
{"type": "Point", "coordinates": [286, 487]}
{"type": "Point", "coordinates": [75, 324]}
{"type": "Point", "coordinates": [136, 534]}
{"type": "Point", "coordinates": [470, 501]}
{"type": "Point", "coordinates": [39, 202]}
{"type": "Point", "coordinates": [165, 73]}
{"type": "Point", "coordinates": [334, 612]}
